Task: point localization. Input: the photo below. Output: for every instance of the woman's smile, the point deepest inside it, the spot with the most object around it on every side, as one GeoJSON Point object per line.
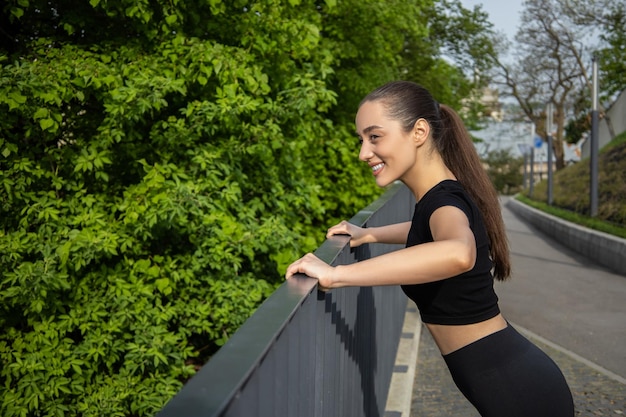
{"type": "Point", "coordinates": [377, 168]}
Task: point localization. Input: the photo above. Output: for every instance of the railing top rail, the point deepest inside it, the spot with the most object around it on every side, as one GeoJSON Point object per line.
{"type": "Point", "coordinates": [233, 364]}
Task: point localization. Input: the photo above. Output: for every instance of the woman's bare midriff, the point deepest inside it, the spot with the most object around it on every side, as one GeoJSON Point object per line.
{"type": "Point", "coordinates": [450, 338]}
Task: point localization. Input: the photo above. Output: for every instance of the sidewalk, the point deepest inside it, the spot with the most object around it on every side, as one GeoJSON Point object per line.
{"type": "Point", "coordinates": [571, 308]}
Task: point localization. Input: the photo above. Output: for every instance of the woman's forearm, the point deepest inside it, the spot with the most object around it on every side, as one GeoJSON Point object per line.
{"type": "Point", "coordinates": [393, 233]}
{"type": "Point", "coordinates": [414, 265]}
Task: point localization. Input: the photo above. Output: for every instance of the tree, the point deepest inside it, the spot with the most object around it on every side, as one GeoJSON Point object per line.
{"type": "Point", "coordinates": [505, 171]}
{"type": "Point", "coordinates": [547, 67]}
{"type": "Point", "coordinates": [551, 63]}
{"type": "Point", "coordinates": [608, 19]}
{"type": "Point", "coordinates": [446, 61]}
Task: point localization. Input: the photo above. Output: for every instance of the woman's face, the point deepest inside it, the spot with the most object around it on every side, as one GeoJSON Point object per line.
{"type": "Point", "coordinates": [385, 146]}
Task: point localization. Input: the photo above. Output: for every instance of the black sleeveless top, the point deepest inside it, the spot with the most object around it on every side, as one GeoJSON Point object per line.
{"type": "Point", "coordinates": [466, 298]}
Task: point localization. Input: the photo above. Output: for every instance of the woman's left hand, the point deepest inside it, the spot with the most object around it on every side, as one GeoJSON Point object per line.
{"type": "Point", "coordinates": [313, 267]}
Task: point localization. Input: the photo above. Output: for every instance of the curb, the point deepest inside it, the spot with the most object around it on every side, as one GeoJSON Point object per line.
{"type": "Point", "coordinates": [603, 248]}
{"type": "Point", "coordinates": [401, 386]}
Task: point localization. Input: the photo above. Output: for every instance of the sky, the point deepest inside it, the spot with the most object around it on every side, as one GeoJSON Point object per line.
{"type": "Point", "coordinates": [504, 14]}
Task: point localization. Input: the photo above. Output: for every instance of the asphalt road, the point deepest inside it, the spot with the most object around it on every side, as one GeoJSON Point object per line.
{"type": "Point", "coordinates": [564, 298]}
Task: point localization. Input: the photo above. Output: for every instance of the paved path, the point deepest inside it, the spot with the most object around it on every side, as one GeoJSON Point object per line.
{"type": "Point", "coordinates": [565, 298]}
{"type": "Point", "coordinates": [570, 307]}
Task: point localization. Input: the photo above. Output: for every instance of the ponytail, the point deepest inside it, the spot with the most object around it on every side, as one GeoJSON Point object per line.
{"type": "Point", "coordinates": [407, 102]}
{"type": "Point", "coordinates": [459, 154]}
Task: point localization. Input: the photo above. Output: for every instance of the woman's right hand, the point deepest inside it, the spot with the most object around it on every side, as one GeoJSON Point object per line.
{"type": "Point", "coordinates": [358, 235]}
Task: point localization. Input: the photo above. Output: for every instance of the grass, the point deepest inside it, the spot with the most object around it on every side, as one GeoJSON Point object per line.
{"type": "Point", "coordinates": [571, 194]}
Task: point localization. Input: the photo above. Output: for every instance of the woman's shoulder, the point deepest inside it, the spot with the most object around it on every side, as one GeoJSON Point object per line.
{"type": "Point", "coordinates": [445, 193]}
{"type": "Point", "coordinates": [442, 190]}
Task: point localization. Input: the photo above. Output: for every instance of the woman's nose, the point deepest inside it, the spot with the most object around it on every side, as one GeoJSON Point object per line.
{"type": "Point", "coordinates": [365, 154]}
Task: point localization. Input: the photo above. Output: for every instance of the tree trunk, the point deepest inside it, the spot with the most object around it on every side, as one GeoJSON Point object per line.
{"type": "Point", "coordinates": [557, 140]}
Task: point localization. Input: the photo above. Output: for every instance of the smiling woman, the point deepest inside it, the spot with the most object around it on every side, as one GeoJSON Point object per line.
{"type": "Point", "coordinates": [455, 246]}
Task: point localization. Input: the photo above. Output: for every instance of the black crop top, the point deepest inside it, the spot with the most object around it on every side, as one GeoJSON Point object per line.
{"type": "Point", "coordinates": [466, 298]}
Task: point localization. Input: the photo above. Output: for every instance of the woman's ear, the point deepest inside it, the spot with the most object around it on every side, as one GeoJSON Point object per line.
{"type": "Point", "coordinates": [421, 131]}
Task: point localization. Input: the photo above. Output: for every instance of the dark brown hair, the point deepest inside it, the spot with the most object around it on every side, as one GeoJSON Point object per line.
{"type": "Point", "coordinates": [407, 102]}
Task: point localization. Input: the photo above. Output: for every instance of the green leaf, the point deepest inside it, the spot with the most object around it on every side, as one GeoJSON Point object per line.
{"type": "Point", "coordinates": [15, 99]}
{"type": "Point", "coordinates": [41, 113]}
{"type": "Point", "coordinates": [47, 124]}
{"type": "Point", "coordinates": [17, 12]}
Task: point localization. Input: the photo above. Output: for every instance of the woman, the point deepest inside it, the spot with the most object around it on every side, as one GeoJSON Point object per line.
{"type": "Point", "coordinates": [455, 246]}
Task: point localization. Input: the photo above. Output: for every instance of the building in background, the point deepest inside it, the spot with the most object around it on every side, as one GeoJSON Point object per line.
{"type": "Point", "coordinates": [515, 137]}
{"type": "Point", "coordinates": [506, 130]}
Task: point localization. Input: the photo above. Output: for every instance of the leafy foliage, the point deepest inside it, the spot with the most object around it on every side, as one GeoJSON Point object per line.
{"type": "Point", "coordinates": [613, 56]}
{"type": "Point", "coordinates": [505, 171]}
{"type": "Point", "coordinates": [162, 163]}
{"type": "Point", "coordinates": [571, 188]}
{"type": "Point", "coordinates": [551, 62]}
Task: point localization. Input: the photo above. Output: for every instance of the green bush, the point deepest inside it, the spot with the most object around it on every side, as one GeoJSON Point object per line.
{"type": "Point", "coordinates": [162, 163]}
{"type": "Point", "coordinates": [131, 252]}
{"type": "Point", "coordinates": [505, 171]}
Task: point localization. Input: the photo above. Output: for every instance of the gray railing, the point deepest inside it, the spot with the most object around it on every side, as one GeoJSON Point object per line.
{"type": "Point", "coordinates": [308, 353]}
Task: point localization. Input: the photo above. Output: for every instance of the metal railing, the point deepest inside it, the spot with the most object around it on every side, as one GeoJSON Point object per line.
{"type": "Point", "coordinates": [308, 353]}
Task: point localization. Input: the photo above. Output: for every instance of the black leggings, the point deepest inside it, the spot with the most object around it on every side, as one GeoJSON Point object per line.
{"type": "Point", "coordinates": [505, 375]}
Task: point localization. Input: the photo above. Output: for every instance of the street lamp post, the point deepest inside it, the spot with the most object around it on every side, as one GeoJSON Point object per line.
{"type": "Point", "coordinates": [525, 169]}
{"type": "Point", "coordinates": [550, 150]}
{"type": "Point", "coordinates": [532, 171]}
{"type": "Point", "coordinates": [594, 147]}
{"type": "Point", "coordinates": [531, 155]}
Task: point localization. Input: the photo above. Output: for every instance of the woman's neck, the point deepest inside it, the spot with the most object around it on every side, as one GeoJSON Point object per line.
{"type": "Point", "coordinates": [426, 176]}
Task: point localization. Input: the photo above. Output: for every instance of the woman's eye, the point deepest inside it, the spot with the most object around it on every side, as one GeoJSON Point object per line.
{"type": "Point", "coordinates": [373, 137]}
